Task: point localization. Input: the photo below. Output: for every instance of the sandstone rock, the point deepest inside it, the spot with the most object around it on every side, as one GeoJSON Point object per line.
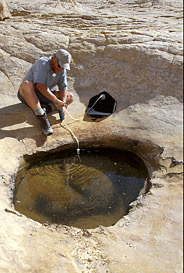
{"type": "Point", "coordinates": [4, 10]}
{"type": "Point", "coordinates": [133, 50]}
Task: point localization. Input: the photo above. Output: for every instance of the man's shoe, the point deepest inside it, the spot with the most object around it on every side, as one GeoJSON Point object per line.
{"type": "Point", "coordinates": [45, 125]}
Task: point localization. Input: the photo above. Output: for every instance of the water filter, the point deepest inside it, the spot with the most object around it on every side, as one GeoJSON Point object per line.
{"type": "Point", "coordinates": [61, 114]}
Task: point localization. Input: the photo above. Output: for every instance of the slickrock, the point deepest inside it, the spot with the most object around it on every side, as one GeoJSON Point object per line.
{"type": "Point", "coordinates": [133, 50]}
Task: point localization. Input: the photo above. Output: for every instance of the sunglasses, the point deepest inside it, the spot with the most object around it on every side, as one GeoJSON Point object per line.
{"type": "Point", "coordinates": [58, 64]}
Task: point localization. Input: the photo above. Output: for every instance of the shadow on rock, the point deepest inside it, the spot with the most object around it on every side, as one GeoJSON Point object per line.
{"type": "Point", "coordinates": [18, 121]}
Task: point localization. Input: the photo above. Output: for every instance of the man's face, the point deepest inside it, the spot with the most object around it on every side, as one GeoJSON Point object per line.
{"type": "Point", "coordinates": [55, 65]}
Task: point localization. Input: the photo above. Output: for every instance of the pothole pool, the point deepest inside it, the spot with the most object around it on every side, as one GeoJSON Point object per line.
{"type": "Point", "coordinates": [95, 188]}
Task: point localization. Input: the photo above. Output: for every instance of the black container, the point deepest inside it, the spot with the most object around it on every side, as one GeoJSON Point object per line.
{"type": "Point", "coordinates": [101, 105]}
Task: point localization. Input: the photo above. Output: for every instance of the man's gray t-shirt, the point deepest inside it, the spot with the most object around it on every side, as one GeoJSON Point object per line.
{"type": "Point", "coordinates": [41, 72]}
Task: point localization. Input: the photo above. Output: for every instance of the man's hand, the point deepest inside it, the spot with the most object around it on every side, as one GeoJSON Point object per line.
{"type": "Point", "coordinates": [61, 112]}
{"type": "Point", "coordinates": [64, 109]}
{"type": "Point", "coordinates": [45, 91]}
{"type": "Point", "coordinates": [59, 103]}
{"type": "Point", "coordinates": [58, 99]}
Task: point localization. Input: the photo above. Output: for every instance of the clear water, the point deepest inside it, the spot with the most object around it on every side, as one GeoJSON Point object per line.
{"type": "Point", "coordinates": [84, 191]}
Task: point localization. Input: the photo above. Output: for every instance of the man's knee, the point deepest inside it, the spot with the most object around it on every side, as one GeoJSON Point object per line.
{"type": "Point", "coordinates": [70, 98]}
{"type": "Point", "coordinates": [25, 87]}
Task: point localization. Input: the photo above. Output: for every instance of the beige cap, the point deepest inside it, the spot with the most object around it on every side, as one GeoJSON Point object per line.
{"type": "Point", "coordinates": [64, 58]}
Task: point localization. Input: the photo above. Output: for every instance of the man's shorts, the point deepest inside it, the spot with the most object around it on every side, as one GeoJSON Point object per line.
{"type": "Point", "coordinates": [43, 100]}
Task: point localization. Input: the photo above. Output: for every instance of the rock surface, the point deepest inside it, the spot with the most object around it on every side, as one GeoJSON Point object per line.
{"type": "Point", "coordinates": [133, 50]}
{"type": "Point", "coordinates": [4, 10]}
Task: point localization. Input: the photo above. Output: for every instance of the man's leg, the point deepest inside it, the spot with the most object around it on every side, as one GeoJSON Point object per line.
{"type": "Point", "coordinates": [28, 93]}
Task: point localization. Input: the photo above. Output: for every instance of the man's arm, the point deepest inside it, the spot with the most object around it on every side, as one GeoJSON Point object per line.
{"type": "Point", "coordinates": [63, 95]}
{"type": "Point", "coordinates": [45, 91]}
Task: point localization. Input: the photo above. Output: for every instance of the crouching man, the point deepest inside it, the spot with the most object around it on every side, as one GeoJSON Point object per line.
{"type": "Point", "coordinates": [37, 89]}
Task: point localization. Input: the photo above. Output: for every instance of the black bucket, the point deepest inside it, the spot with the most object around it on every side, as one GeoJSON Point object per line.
{"type": "Point", "coordinates": [101, 105]}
